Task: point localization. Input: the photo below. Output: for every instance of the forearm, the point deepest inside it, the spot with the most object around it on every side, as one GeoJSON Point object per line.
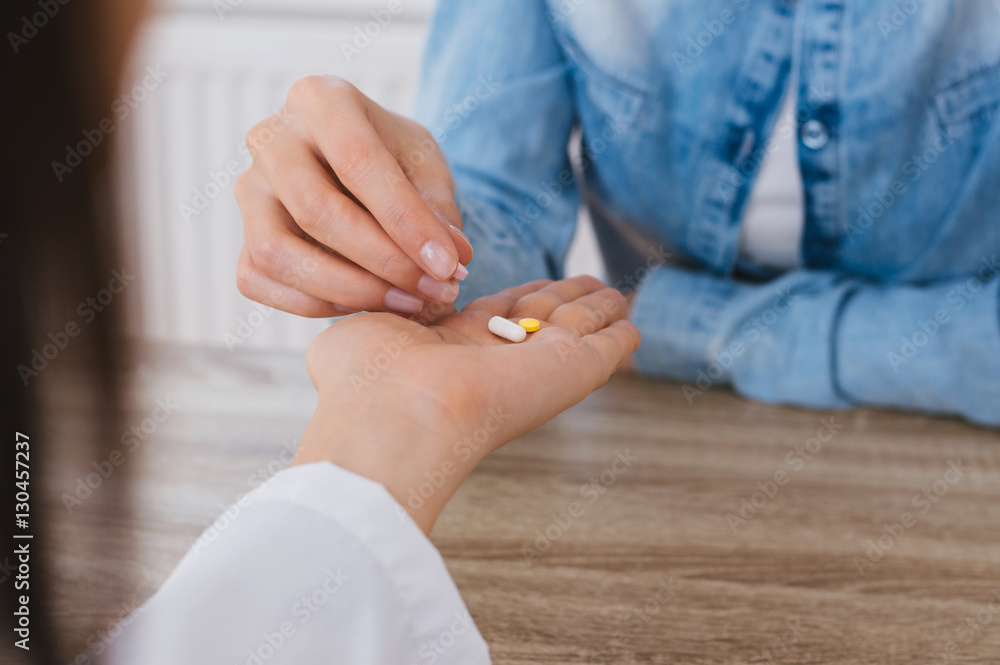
{"type": "Point", "coordinates": [824, 340]}
{"type": "Point", "coordinates": [934, 348]}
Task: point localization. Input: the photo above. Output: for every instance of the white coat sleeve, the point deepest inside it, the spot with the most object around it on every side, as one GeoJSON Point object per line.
{"type": "Point", "coordinates": [319, 566]}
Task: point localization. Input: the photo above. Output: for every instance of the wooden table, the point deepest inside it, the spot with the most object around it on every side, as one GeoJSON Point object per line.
{"type": "Point", "coordinates": [614, 533]}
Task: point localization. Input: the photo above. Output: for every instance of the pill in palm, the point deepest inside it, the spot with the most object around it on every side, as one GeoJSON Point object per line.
{"type": "Point", "coordinates": [507, 329]}
{"type": "Point", "coordinates": [531, 325]}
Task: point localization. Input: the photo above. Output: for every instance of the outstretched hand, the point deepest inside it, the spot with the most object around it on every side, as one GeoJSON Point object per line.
{"type": "Point", "coordinates": [401, 402]}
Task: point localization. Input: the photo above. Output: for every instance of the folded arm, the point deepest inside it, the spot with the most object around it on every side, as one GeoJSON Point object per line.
{"type": "Point", "coordinates": [825, 340]}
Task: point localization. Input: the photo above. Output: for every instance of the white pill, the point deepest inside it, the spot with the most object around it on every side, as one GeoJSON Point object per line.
{"type": "Point", "coordinates": [507, 329]}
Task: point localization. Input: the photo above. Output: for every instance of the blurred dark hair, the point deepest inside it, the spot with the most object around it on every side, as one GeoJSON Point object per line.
{"type": "Point", "coordinates": [58, 247]}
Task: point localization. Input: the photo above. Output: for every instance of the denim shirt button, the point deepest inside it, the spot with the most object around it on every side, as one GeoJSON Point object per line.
{"type": "Point", "coordinates": [814, 135]}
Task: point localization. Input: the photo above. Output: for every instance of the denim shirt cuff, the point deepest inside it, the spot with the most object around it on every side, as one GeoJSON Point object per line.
{"type": "Point", "coordinates": [678, 314]}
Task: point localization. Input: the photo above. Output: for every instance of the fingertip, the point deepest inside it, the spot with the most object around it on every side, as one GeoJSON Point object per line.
{"type": "Point", "coordinates": [398, 301]}
{"type": "Point", "coordinates": [462, 244]}
{"type": "Point", "coordinates": [445, 292]}
{"type": "Point", "coordinates": [624, 324]}
{"type": "Point", "coordinates": [611, 293]}
{"type": "Point", "coordinates": [630, 328]}
{"type": "Point", "coordinates": [458, 232]}
{"type": "Point", "coordinates": [515, 293]}
{"type": "Point", "coordinates": [618, 342]}
{"type": "Point", "coordinates": [590, 283]}
{"type": "Point", "coordinates": [439, 260]}
{"type": "Point", "coordinates": [341, 310]}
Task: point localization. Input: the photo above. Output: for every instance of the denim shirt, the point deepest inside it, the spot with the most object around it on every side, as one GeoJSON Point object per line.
{"type": "Point", "coordinates": [656, 115]}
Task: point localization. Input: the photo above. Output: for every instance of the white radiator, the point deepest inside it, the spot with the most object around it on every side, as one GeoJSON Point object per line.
{"type": "Point", "coordinates": [228, 64]}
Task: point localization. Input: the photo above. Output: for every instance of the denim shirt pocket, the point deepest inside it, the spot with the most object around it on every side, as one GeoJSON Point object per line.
{"type": "Point", "coordinates": [618, 96]}
{"type": "Point", "coordinates": [970, 101]}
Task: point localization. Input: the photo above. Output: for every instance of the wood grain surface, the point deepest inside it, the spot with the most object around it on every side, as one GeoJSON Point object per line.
{"type": "Point", "coordinates": [614, 534]}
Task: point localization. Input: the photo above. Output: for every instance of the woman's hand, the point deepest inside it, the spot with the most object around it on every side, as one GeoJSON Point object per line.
{"type": "Point", "coordinates": [347, 207]}
{"type": "Point", "coordinates": [416, 407]}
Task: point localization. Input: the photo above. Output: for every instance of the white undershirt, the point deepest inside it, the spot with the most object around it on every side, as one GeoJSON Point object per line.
{"type": "Point", "coordinates": [775, 214]}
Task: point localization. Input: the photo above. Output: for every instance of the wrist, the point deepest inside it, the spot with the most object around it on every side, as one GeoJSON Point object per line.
{"type": "Point", "coordinates": [412, 457]}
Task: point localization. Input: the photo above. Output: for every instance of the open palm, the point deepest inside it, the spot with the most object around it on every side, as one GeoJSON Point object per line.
{"type": "Point", "coordinates": [457, 364]}
{"type": "Point", "coordinates": [397, 396]}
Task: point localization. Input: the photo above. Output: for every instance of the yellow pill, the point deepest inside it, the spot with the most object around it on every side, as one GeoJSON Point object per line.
{"type": "Point", "coordinates": [531, 325]}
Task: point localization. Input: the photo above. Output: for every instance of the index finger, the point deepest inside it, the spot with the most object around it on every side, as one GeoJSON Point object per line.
{"type": "Point", "coordinates": [368, 170]}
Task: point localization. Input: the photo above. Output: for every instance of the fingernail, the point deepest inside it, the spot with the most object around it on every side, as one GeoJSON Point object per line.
{"type": "Point", "coordinates": [438, 261]}
{"type": "Point", "coordinates": [399, 300]}
{"type": "Point", "coordinates": [464, 237]}
{"type": "Point", "coordinates": [461, 272]}
{"type": "Point", "coordinates": [442, 292]}
{"type": "Point", "coordinates": [459, 232]}
{"type": "Point", "coordinates": [342, 309]}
